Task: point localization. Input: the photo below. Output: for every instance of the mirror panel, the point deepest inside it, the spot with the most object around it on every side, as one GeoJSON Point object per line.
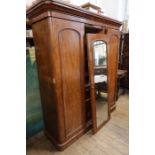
{"type": "Point", "coordinates": [100, 82]}
{"type": "Point", "coordinates": [100, 54]}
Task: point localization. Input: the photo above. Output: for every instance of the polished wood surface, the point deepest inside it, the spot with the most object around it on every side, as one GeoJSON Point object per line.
{"type": "Point", "coordinates": [67, 111]}
{"type": "Point", "coordinates": [72, 98]}
{"type": "Point", "coordinates": [59, 33]}
{"type": "Point", "coordinates": [50, 6]}
{"type": "Point", "coordinates": [68, 55]}
{"type": "Point", "coordinates": [113, 54]}
{"type": "Point", "coordinates": [44, 57]}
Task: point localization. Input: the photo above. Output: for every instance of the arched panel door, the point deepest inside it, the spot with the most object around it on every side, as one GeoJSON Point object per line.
{"type": "Point", "coordinates": [68, 55]}
{"type": "Point", "coordinates": [113, 67]}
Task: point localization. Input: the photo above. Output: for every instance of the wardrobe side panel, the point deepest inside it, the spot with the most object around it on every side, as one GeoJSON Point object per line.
{"type": "Point", "coordinates": [44, 57]}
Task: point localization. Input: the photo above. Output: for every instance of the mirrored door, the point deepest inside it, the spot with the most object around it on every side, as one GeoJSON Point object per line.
{"type": "Point", "coordinates": [98, 73]}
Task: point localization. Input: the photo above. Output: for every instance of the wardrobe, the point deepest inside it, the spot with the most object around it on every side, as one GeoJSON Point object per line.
{"type": "Point", "coordinates": [77, 61]}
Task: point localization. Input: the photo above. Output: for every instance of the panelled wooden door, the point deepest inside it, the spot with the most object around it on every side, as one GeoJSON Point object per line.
{"type": "Point", "coordinates": [113, 56]}
{"type": "Point", "coordinates": [68, 54]}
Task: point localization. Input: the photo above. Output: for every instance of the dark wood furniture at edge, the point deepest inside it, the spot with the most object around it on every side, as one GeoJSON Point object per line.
{"type": "Point", "coordinates": [124, 58]}
{"type": "Point", "coordinates": [59, 32]}
{"type": "Point", "coordinates": [121, 75]}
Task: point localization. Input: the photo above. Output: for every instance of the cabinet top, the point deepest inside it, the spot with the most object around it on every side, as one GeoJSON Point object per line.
{"type": "Point", "coordinates": [42, 6]}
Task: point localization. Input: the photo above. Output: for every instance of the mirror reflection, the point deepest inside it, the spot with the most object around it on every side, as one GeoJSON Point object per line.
{"type": "Point", "coordinates": [100, 81]}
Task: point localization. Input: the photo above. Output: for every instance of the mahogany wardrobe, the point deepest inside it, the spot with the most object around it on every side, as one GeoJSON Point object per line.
{"type": "Point", "coordinates": [77, 61]}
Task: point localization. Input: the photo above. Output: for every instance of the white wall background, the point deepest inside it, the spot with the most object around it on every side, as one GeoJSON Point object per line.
{"type": "Point", "coordinates": [117, 9]}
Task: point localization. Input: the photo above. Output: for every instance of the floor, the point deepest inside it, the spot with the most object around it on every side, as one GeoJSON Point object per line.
{"type": "Point", "coordinates": [112, 139]}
